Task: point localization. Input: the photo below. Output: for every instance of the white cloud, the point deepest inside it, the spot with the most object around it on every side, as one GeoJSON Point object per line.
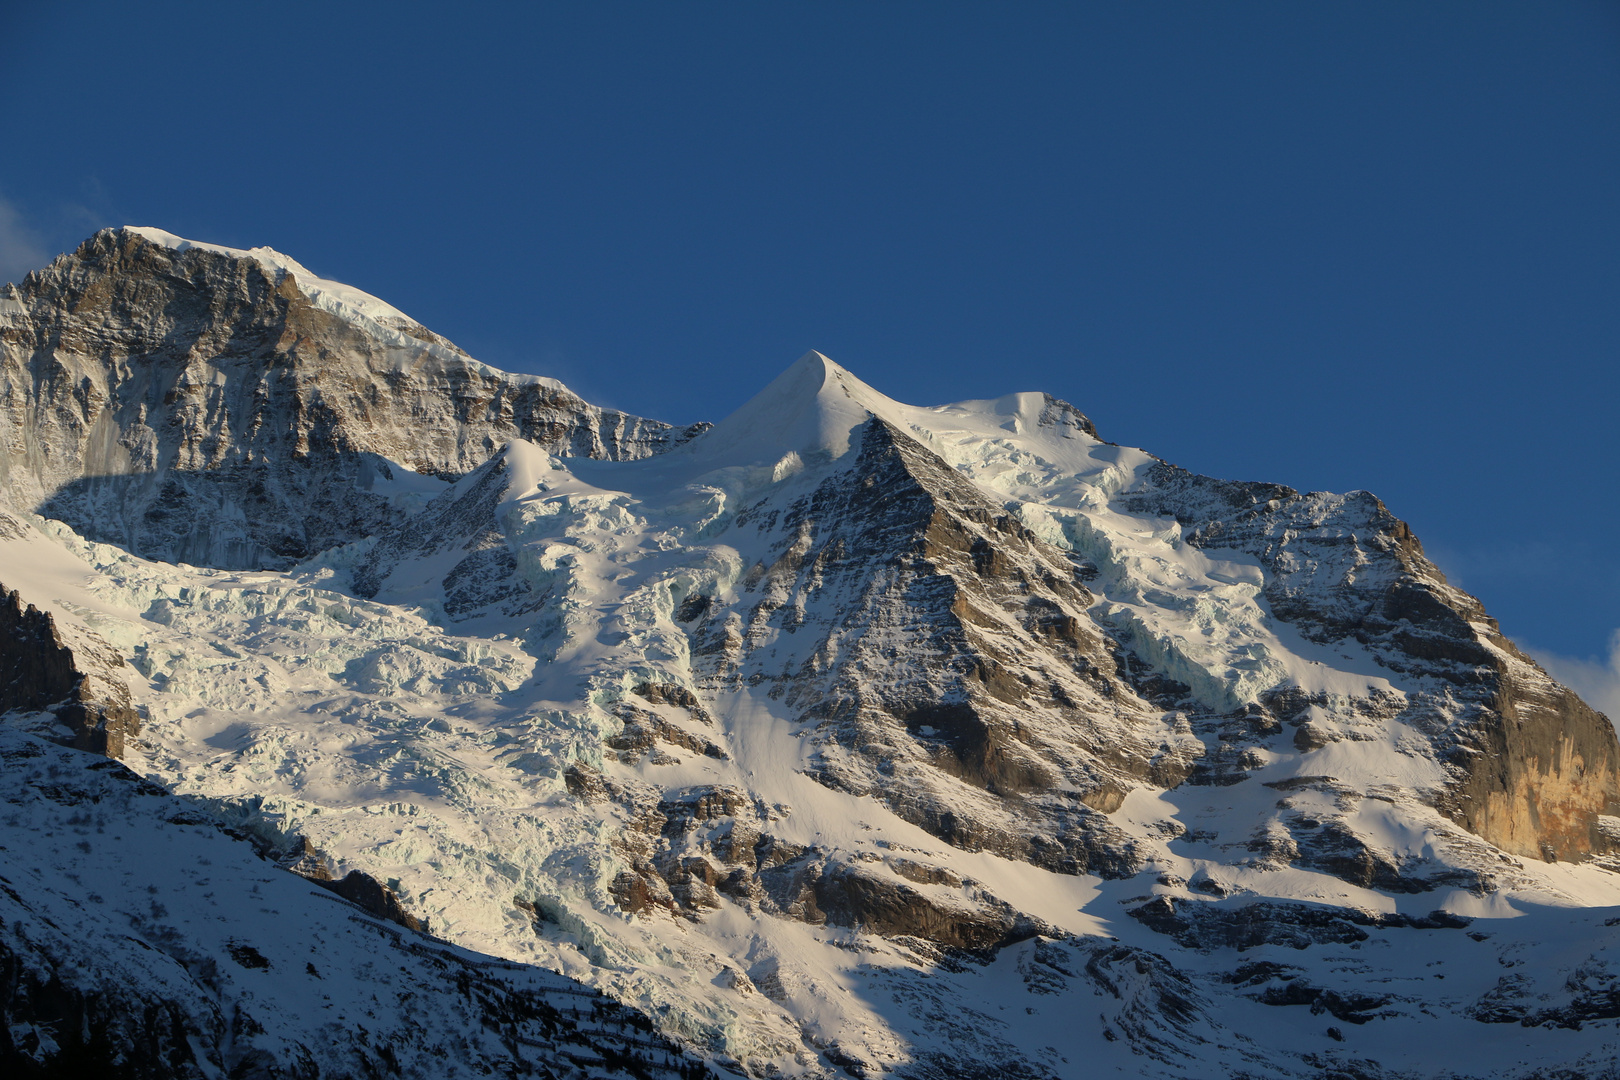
{"type": "Point", "coordinates": [1597, 681]}
{"type": "Point", "coordinates": [20, 249]}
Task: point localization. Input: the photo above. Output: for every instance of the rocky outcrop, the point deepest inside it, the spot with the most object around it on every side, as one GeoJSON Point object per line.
{"type": "Point", "coordinates": [951, 666]}
{"type": "Point", "coordinates": [644, 731]}
{"type": "Point", "coordinates": [1208, 925]}
{"type": "Point", "coordinates": [367, 892]}
{"type": "Point", "coordinates": [705, 843]}
{"type": "Point", "coordinates": [357, 887]}
{"type": "Point", "coordinates": [215, 407]}
{"type": "Point", "coordinates": [462, 524]}
{"type": "Point", "coordinates": [39, 671]}
{"type": "Point", "coordinates": [1537, 767]}
{"type": "Point", "coordinates": [1532, 766]}
{"type": "Point", "coordinates": [294, 853]}
{"type": "Point", "coordinates": [1591, 993]}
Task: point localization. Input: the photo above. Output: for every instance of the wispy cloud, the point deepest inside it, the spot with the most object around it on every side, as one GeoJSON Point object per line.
{"type": "Point", "coordinates": [21, 249]}
{"type": "Point", "coordinates": [1596, 680]}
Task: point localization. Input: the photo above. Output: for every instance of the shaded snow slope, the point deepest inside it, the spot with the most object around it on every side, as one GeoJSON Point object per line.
{"type": "Point", "coordinates": [141, 940]}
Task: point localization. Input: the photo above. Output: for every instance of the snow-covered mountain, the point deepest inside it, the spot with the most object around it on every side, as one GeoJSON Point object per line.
{"type": "Point", "coordinates": [229, 408]}
{"type": "Point", "coordinates": [841, 738]}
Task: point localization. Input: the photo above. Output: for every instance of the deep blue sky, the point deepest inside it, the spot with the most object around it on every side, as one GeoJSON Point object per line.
{"type": "Point", "coordinates": [1335, 245]}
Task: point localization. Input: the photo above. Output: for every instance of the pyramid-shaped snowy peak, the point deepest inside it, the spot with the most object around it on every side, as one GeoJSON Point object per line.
{"type": "Point", "coordinates": [810, 410]}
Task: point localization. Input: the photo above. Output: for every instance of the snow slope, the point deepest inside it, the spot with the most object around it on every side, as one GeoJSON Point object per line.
{"type": "Point", "coordinates": [129, 919]}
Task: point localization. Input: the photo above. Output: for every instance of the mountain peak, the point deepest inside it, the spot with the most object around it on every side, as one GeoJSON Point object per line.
{"type": "Point", "coordinates": [815, 359]}
{"type": "Point", "coordinates": [342, 300]}
{"type": "Point", "coordinates": [810, 409]}
{"type": "Point", "coordinates": [145, 326]}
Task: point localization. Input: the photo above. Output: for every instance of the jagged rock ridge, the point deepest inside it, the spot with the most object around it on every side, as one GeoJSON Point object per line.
{"type": "Point", "coordinates": [79, 680]}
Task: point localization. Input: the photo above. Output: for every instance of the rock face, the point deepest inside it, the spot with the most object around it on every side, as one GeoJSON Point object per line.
{"type": "Point", "coordinates": [1007, 725]}
{"type": "Point", "coordinates": [1532, 767]}
{"type": "Point", "coordinates": [228, 408]}
{"type": "Point", "coordinates": [38, 671]}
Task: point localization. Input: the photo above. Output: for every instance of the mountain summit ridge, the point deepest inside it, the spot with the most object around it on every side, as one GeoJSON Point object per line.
{"type": "Point", "coordinates": [344, 301]}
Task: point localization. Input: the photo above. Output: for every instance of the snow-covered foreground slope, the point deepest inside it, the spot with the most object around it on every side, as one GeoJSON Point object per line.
{"type": "Point", "coordinates": [852, 736]}
{"type": "Point", "coordinates": [139, 939]}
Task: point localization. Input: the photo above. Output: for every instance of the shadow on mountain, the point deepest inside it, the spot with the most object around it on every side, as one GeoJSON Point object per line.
{"type": "Point", "coordinates": [243, 516]}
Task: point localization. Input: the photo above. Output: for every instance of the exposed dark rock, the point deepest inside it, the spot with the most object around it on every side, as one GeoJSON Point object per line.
{"type": "Point", "coordinates": [367, 892]}
{"type": "Point", "coordinates": [1207, 926]}
{"type": "Point", "coordinates": [1351, 1007]}
{"type": "Point", "coordinates": [39, 671]}
{"type": "Point", "coordinates": [1012, 731]}
{"type": "Point", "coordinates": [1258, 972]}
{"type": "Point", "coordinates": [1593, 993]}
{"type": "Point", "coordinates": [674, 694]}
{"type": "Point", "coordinates": [853, 895]}
{"type": "Point", "coordinates": [585, 783]}
{"type": "Point", "coordinates": [703, 805]}
{"type": "Point", "coordinates": [36, 669]}
{"type": "Point", "coordinates": [640, 890]}
{"type": "Point", "coordinates": [248, 956]}
{"type": "Point", "coordinates": [643, 730]}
